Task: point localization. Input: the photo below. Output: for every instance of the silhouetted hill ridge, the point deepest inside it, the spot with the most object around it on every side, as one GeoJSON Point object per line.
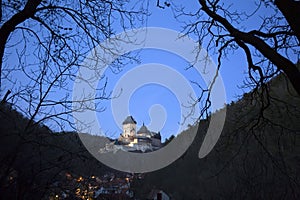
{"type": "Point", "coordinates": [255, 157]}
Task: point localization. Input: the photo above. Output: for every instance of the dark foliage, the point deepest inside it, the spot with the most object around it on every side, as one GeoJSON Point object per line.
{"type": "Point", "coordinates": [257, 156]}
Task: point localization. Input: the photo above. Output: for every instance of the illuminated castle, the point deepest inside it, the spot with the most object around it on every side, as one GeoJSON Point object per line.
{"type": "Point", "coordinates": [143, 139]}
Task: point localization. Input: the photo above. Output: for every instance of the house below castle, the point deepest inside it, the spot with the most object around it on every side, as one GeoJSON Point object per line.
{"type": "Point", "coordinates": [141, 140]}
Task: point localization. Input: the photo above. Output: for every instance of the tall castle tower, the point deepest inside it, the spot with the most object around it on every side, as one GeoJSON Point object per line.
{"type": "Point", "coordinates": [129, 127]}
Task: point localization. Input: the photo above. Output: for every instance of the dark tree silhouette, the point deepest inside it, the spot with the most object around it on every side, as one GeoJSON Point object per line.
{"type": "Point", "coordinates": [42, 44]}
{"type": "Point", "coordinates": [50, 38]}
{"type": "Point", "coordinates": [267, 48]}
{"type": "Point", "coordinates": [47, 40]}
{"type": "Point", "coordinates": [264, 120]}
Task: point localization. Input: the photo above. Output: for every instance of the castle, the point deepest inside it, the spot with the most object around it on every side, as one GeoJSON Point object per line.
{"type": "Point", "coordinates": [143, 139]}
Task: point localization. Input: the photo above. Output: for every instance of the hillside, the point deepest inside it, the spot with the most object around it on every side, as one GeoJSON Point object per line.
{"type": "Point", "coordinates": [255, 158]}
{"type": "Point", "coordinates": [34, 161]}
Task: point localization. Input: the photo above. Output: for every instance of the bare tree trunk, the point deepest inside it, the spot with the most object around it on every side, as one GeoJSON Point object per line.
{"type": "Point", "coordinates": [5, 97]}
{"type": "Point", "coordinates": [284, 64]}
{"type": "Point", "coordinates": [10, 25]}
{"type": "Point", "coordinates": [290, 9]}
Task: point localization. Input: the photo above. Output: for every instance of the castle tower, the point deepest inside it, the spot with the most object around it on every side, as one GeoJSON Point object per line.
{"type": "Point", "coordinates": [129, 127]}
{"type": "Point", "coordinates": [144, 131]}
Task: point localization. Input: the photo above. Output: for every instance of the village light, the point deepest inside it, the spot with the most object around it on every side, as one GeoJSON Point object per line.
{"type": "Point", "coordinates": [80, 179]}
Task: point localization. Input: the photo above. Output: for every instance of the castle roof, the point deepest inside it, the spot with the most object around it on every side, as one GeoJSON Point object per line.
{"type": "Point", "coordinates": [144, 129]}
{"type": "Point", "coordinates": [129, 120]}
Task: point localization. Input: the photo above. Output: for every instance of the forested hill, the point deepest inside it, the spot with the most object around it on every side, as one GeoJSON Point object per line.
{"type": "Point", "coordinates": [34, 160]}
{"type": "Point", "coordinates": [257, 156]}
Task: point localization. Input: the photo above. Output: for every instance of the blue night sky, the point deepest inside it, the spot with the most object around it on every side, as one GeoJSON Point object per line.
{"type": "Point", "coordinates": [154, 101]}
{"type": "Point", "coordinates": [154, 104]}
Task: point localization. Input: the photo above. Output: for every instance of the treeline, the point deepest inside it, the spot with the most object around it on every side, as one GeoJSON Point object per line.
{"type": "Point", "coordinates": [34, 160]}
{"type": "Point", "coordinates": [257, 156]}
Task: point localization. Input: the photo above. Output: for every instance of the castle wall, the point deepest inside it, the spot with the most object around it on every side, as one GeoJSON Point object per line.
{"type": "Point", "coordinates": [156, 142]}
